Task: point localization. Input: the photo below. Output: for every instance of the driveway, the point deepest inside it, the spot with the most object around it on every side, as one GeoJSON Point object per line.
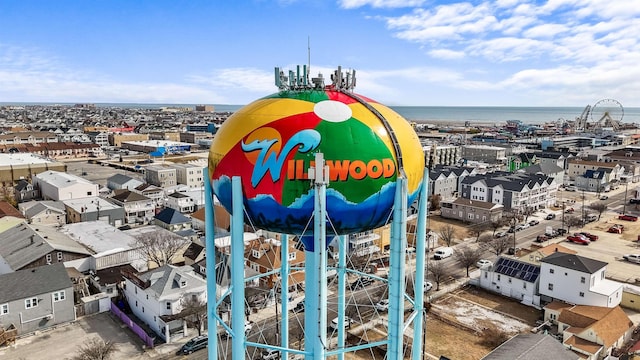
{"type": "Point", "coordinates": [63, 342]}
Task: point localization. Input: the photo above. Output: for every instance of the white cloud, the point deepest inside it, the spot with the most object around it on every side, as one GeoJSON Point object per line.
{"type": "Point", "coordinates": [352, 4]}
{"type": "Point", "coordinates": [446, 54]}
{"type": "Point", "coordinates": [545, 31]}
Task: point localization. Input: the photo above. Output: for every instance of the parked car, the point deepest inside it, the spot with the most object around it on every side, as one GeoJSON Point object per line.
{"type": "Point", "coordinates": [428, 285]}
{"type": "Point", "coordinates": [483, 263]}
{"type": "Point", "coordinates": [589, 236]}
{"type": "Point", "coordinates": [569, 210]}
{"type": "Point", "coordinates": [628, 217]}
{"type": "Point", "coordinates": [520, 227]}
{"type": "Point", "coordinates": [500, 234]}
{"type": "Point", "coordinates": [195, 344]}
{"type": "Point", "coordinates": [634, 201]}
{"type": "Point", "coordinates": [550, 216]}
{"type": "Point", "coordinates": [634, 258]}
{"type": "Point", "coordinates": [578, 239]}
{"type": "Point", "coordinates": [299, 307]}
{"type": "Point", "coordinates": [534, 222]}
{"type": "Point", "coordinates": [270, 354]}
{"type": "Point", "coordinates": [591, 217]}
{"type": "Point", "coordinates": [443, 253]}
{"type": "Point", "coordinates": [362, 282]}
{"type": "Point", "coordinates": [513, 251]}
{"type": "Point", "coordinates": [616, 229]}
{"type": "Point", "coordinates": [346, 324]}
{"type": "Point", "coordinates": [382, 305]}
{"type": "Point", "coordinates": [511, 230]}
{"type": "Point", "coordinates": [604, 197]}
{"type": "Point", "coordinates": [561, 231]}
{"type": "Point", "coordinates": [541, 238]}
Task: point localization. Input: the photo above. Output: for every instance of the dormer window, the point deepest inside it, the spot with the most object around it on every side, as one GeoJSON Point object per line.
{"type": "Point", "coordinates": [255, 253]}
{"type": "Point", "coordinates": [292, 256]}
{"type": "Point", "coordinates": [183, 283]}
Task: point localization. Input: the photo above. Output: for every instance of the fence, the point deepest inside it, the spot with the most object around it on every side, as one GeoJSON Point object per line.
{"type": "Point", "coordinates": [133, 326]}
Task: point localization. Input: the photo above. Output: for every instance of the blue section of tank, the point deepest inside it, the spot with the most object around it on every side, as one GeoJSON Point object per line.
{"type": "Point", "coordinates": [264, 212]}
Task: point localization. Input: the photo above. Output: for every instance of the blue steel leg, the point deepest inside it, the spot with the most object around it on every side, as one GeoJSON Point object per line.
{"type": "Point", "coordinates": [210, 251]}
{"type": "Point", "coordinates": [396, 270]}
{"type": "Point", "coordinates": [284, 293]}
{"type": "Point", "coordinates": [342, 273]}
{"type": "Point", "coordinates": [237, 275]}
{"type": "Point", "coordinates": [421, 234]}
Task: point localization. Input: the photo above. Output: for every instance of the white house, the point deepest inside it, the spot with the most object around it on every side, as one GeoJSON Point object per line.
{"type": "Point", "coordinates": [512, 278]}
{"type": "Point", "coordinates": [191, 175]}
{"type": "Point", "coordinates": [56, 185]}
{"type": "Point", "coordinates": [138, 209]}
{"type": "Point", "coordinates": [156, 296]}
{"type": "Point", "coordinates": [577, 280]}
{"type": "Point", "coordinates": [180, 202]}
{"type": "Point", "coordinates": [121, 181]}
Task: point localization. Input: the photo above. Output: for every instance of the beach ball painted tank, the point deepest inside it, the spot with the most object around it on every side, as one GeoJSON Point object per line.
{"type": "Point", "coordinates": [271, 143]}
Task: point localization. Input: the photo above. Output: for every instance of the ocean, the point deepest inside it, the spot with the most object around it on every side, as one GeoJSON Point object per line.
{"type": "Point", "coordinates": [493, 114]}
{"type": "Point", "coordinates": [456, 114]}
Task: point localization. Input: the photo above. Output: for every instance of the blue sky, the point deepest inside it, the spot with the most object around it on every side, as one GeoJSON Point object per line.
{"type": "Point", "coordinates": [405, 52]}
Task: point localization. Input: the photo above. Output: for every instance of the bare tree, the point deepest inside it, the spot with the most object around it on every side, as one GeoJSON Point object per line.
{"type": "Point", "coordinates": [159, 246]}
{"type": "Point", "coordinates": [476, 230]}
{"type": "Point", "coordinates": [497, 224]}
{"type": "Point", "coordinates": [467, 256]}
{"type": "Point", "coordinates": [434, 202]}
{"type": "Point", "coordinates": [572, 221]}
{"type": "Point", "coordinates": [195, 311]}
{"type": "Point", "coordinates": [600, 207]}
{"type": "Point", "coordinates": [438, 272]}
{"type": "Point", "coordinates": [447, 234]}
{"type": "Point", "coordinates": [528, 211]}
{"type": "Point", "coordinates": [497, 245]}
{"type": "Point", "coordinates": [95, 349]}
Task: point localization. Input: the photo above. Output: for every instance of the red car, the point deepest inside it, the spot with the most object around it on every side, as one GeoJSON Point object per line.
{"type": "Point", "coordinates": [578, 240]}
{"type": "Point", "coordinates": [628, 217]}
{"type": "Point", "coordinates": [616, 229]}
{"type": "Point", "coordinates": [589, 236]}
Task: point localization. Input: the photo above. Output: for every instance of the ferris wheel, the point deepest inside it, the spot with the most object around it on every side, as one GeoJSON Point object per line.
{"type": "Point", "coordinates": [606, 113]}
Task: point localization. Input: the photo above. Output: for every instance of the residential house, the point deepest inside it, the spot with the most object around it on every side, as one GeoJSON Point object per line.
{"type": "Point", "coordinates": [180, 202]}
{"type": "Point", "coordinates": [550, 169]}
{"type": "Point", "coordinates": [138, 209]}
{"type": "Point", "coordinates": [36, 299]}
{"type": "Point", "coordinates": [178, 242]}
{"type": "Point", "coordinates": [55, 185]}
{"type": "Point", "coordinates": [578, 280]}
{"type": "Point", "coordinates": [512, 278]}
{"type": "Point", "coordinates": [152, 192]}
{"type": "Point", "coordinates": [160, 175]}
{"type": "Point", "coordinates": [189, 174]}
{"type": "Point", "coordinates": [7, 209]}
{"type": "Point", "coordinates": [157, 297]}
{"type": "Point", "coordinates": [363, 243]}
{"type": "Point", "coordinates": [172, 220]}
{"type": "Point", "coordinates": [45, 212]}
{"type": "Point", "coordinates": [28, 137]}
{"type": "Point", "coordinates": [446, 181]}
{"type": "Point", "coordinates": [94, 208]}
{"type": "Point", "coordinates": [263, 256]}
{"type": "Point", "coordinates": [521, 161]}
{"type": "Point", "coordinates": [484, 153]}
{"type": "Point", "coordinates": [515, 191]}
{"type": "Point", "coordinates": [24, 191]}
{"type": "Point", "coordinates": [590, 331]}
{"type": "Point", "coordinates": [437, 154]}
{"type": "Point", "coordinates": [194, 253]}
{"type": "Point", "coordinates": [25, 246]}
{"type": "Point", "coordinates": [197, 220]}
{"type": "Point", "coordinates": [594, 180]}
{"type": "Point", "coordinates": [472, 211]}
{"type": "Point", "coordinates": [121, 182]}
{"type": "Point", "coordinates": [531, 347]}
{"type": "Point", "coordinates": [577, 167]}
{"type": "Point", "coordinates": [99, 138]}
{"type": "Point", "coordinates": [539, 253]}
{"type": "Point", "coordinates": [109, 246]}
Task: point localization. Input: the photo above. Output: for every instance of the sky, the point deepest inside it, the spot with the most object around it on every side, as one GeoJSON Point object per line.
{"type": "Point", "coordinates": [405, 52]}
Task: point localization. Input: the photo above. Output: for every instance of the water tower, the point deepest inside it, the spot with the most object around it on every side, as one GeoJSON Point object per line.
{"type": "Point", "coordinates": [318, 163]}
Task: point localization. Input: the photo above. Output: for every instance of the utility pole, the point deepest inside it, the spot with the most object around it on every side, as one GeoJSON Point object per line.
{"type": "Point", "coordinates": [626, 191]}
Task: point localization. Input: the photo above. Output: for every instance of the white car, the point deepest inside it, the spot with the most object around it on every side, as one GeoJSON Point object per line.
{"type": "Point", "coordinates": [347, 323]}
{"type": "Point", "coordinates": [634, 258]}
{"type": "Point", "coordinates": [428, 286]}
{"type": "Point", "coordinates": [500, 234]}
{"type": "Point", "coordinates": [382, 305]}
{"type": "Point", "coordinates": [482, 263]}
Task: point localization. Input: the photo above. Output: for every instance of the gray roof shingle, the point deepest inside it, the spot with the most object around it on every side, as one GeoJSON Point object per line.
{"type": "Point", "coordinates": [574, 262]}
{"type": "Point", "coordinates": [31, 282]}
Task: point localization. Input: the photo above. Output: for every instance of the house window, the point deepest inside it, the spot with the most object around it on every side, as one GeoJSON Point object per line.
{"type": "Point", "coordinates": [168, 305]}
{"type": "Point", "coordinates": [143, 309]}
{"type": "Point", "coordinates": [509, 280]}
{"type": "Point", "coordinates": [30, 303]}
{"type": "Point", "coordinates": [551, 271]}
{"type": "Point", "coordinates": [58, 296]}
{"type": "Point", "coordinates": [581, 294]}
{"type": "Point", "coordinates": [485, 274]}
{"type": "Point", "coordinates": [582, 280]}
{"type": "Point", "coordinates": [550, 287]}
{"type": "Point", "coordinates": [498, 277]}
{"type": "Point", "coordinates": [292, 256]}
{"type": "Point", "coordinates": [59, 255]}
{"type": "Point", "coordinates": [48, 258]}
{"type": "Point", "coordinates": [4, 309]}
{"type": "Point", "coordinates": [136, 303]}
{"type": "Point", "coordinates": [524, 285]}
